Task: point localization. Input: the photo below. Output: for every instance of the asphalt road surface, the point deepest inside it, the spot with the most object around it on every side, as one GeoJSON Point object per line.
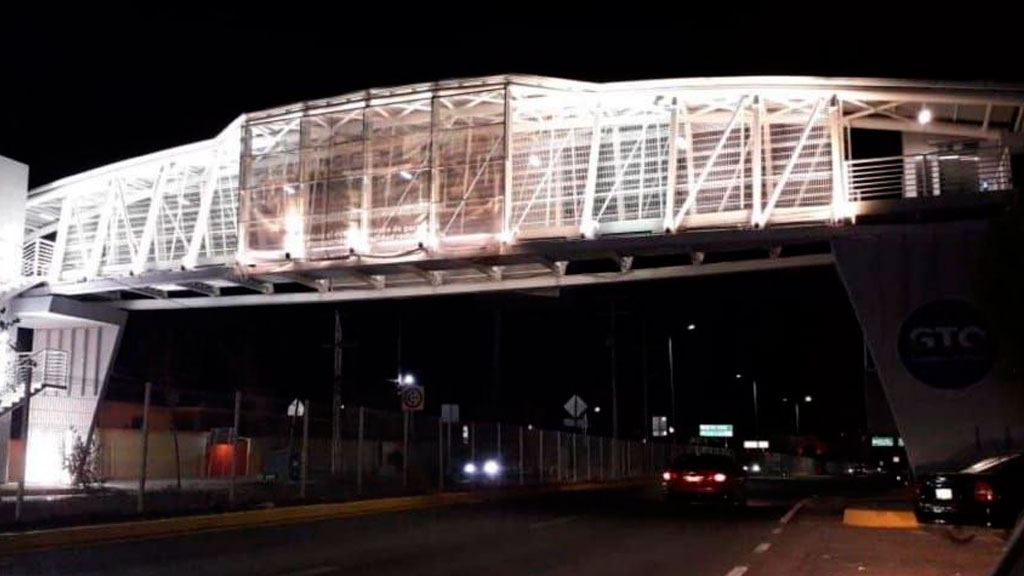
{"type": "Point", "coordinates": [624, 531]}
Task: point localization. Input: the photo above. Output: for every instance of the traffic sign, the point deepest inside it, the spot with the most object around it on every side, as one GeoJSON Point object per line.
{"type": "Point", "coordinates": [575, 406]}
{"type": "Point", "coordinates": [296, 408]}
{"type": "Point", "coordinates": [882, 441]}
{"type": "Point", "coordinates": [576, 422]}
{"type": "Point", "coordinates": [412, 398]}
{"type": "Point", "coordinates": [716, 430]}
{"type": "Point", "coordinates": [449, 413]}
{"type": "Point", "coordinates": [659, 426]}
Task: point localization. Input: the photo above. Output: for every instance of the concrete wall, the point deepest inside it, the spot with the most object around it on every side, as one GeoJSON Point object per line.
{"type": "Point", "coordinates": [121, 454]}
{"type": "Point", "coordinates": [891, 276]}
{"type": "Point", "coordinates": [13, 192]}
{"type": "Point", "coordinates": [57, 416]}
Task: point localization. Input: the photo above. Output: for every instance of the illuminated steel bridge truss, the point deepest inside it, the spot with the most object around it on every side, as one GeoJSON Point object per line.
{"type": "Point", "coordinates": [494, 182]}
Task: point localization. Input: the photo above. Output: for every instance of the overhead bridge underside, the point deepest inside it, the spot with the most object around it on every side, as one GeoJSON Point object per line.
{"type": "Point", "coordinates": [516, 183]}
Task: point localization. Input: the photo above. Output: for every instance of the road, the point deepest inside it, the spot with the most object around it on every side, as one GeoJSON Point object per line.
{"type": "Point", "coordinates": [625, 531]}
{"type": "Point", "coordinates": [593, 533]}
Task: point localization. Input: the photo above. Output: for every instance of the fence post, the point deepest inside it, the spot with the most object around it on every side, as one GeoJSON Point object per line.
{"type": "Point", "coordinates": [540, 456]}
{"type": "Point", "coordinates": [140, 504]}
{"type": "Point", "coordinates": [405, 449]}
{"type": "Point", "coordinates": [629, 453]}
{"type": "Point", "coordinates": [558, 452]}
{"type": "Point", "coordinates": [590, 476]}
{"type": "Point", "coordinates": [522, 479]}
{"type": "Point", "coordinates": [440, 455]}
{"type": "Point", "coordinates": [234, 446]}
{"type": "Point", "coordinates": [359, 455]}
{"type": "Point", "coordinates": [573, 438]}
{"type": "Point", "coordinates": [305, 450]}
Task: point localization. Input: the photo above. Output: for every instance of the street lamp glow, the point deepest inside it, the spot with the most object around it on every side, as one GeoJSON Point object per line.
{"type": "Point", "coordinates": [671, 429]}
{"type": "Point", "coordinates": [924, 116]}
{"type": "Point", "coordinates": [597, 409]}
{"type": "Point", "coordinates": [408, 380]}
{"type": "Point", "coordinates": [691, 327]}
{"type": "Point", "coordinates": [738, 376]}
{"type": "Point", "coordinates": [807, 398]}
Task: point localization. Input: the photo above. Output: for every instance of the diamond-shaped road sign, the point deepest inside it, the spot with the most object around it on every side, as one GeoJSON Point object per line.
{"type": "Point", "coordinates": [575, 406]}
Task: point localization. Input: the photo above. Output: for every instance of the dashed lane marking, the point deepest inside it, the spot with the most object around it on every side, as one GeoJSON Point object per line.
{"type": "Point", "coordinates": [762, 547]}
{"type": "Point", "coordinates": [737, 571]}
{"type": "Point", "coordinates": [792, 511]}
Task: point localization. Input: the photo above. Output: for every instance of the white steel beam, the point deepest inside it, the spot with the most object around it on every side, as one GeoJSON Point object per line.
{"type": "Point", "coordinates": [61, 243]}
{"type": "Point", "coordinates": [691, 195]}
{"type": "Point", "coordinates": [839, 192]}
{"type": "Point", "coordinates": [934, 127]}
{"type": "Point", "coordinates": [756, 185]}
{"type": "Point", "coordinates": [92, 264]}
{"type": "Point", "coordinates": [149, 229]}
{"type": "Point", "coordinates": [789, 165]}
{"type": "Point", "coordinates": [587, 224]}
{"type": "Point", "coordinates": [673, 168]}
{"type": "Point", "coordinates": [482, 286]}
{"type": "Point", "coordinates": [203, 216]}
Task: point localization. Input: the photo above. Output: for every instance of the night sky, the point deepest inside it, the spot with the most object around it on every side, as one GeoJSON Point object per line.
{"type": "Point", "coordinates": [76, 96]}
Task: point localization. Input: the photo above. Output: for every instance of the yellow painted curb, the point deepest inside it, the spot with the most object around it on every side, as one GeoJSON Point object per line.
{"type": "Point", "coordinates": [12, 543]}
{"type": "Point", "coordinates": [18, 542]}
{"type": "Point", "coordinates": [863, 518]}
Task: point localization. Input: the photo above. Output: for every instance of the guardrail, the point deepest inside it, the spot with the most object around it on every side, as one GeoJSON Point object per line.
{"type": "Point", "coordinates": [48, 368]}
{"type": "Point", "coordinates": [974, 171]}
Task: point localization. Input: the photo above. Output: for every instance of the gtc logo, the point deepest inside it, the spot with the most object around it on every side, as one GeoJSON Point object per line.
{"type": "Point", "coordinates": [947, 344]}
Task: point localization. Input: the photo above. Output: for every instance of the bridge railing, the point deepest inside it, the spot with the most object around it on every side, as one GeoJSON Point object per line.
{"type": "Point", "coordinates": [48, 368]}
{"type": "Point", "coordinates": [979, 170]}
{"type": "Point", "coordinates": [36, 257]}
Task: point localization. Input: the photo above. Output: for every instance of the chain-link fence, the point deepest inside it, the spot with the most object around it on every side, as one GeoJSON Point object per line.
{"type": "Point", "coordinates": [183, 453]}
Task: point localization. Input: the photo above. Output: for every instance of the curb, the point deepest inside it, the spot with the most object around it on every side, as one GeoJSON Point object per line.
{"type": "Point", "coordinates": [865, 518]}
{"type": "Point", "coordinates": [19, 542]}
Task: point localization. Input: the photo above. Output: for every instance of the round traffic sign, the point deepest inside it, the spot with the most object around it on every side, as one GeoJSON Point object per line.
{"type": "Point", "coordinates": [412, 398]}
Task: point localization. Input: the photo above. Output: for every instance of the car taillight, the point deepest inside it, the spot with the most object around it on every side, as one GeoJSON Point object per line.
{"type": "Point", "coordinates": [983, 491]}
{"type": "Point", "coordinates": [719, 477]}
{"type": "Point", "coordinates": [666, 476]}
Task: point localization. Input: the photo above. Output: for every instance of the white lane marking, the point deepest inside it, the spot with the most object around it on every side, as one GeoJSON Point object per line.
{"type": "Point", "coordinates": [737, 571]}
{"type": "Point", "coordinates": [553, 522]}
{"type": "Point", "coordinates": [316, 571]}
{"type": "Point", "coordinates": [792, 511]}
{"type": "Point", "coordinates": [777, 530]}
{"type": "Point", "coordinates": [762, 547]}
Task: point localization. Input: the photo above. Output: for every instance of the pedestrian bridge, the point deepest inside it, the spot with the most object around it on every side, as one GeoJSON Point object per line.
{"type": "Point", "coordinates": [506, 183]}
{"type": "Point", "coordinates": [524, 183]}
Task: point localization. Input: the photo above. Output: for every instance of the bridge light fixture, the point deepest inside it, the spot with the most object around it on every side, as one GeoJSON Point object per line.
{"type": "Point", "coordinates": [924, 116]}
{"type": "Point", "coordinates": [405, 174]}
{"type": "Point", "coordinates": [691, 327]}
{"type": "Point", "coordinates": [807, 398]}
{"type": "Point", "coordinates": [533, 161]}
{"type": "Point", "coordinates": [681, 143]}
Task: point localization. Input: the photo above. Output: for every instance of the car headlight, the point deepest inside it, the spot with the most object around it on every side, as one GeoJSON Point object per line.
{"type": "Point", "coordinates": [469, 468]}
{"type": "Point", "coordinates": [491, 468]}
{"type": "Point", "coordinates": [755, 467]}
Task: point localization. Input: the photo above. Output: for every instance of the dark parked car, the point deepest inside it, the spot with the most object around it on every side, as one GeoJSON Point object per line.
{"type": "Point", "coordinates": [989, 492]}
{"type": "Point", "coordinates": [705, 477]}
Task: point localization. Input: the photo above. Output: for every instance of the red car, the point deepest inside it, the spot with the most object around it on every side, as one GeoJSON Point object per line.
{"type": "Point", "coordinates": [705, 477]}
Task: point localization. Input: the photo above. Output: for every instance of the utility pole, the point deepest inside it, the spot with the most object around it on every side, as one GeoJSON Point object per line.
{"type": "Point", "coordinates": [336, 403]}
{"type": "Point", "coordinates": [757, 431]}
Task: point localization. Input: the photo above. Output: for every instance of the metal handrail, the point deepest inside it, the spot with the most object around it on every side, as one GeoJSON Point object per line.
{"type": "Point", "coordinates": [974, 171]}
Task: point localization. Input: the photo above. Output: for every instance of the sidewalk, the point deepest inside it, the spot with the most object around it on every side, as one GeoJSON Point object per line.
{"type": "Point", "coordinates": [818, 542]}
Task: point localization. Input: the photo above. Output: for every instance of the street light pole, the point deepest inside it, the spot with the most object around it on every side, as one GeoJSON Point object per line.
{"type": "Point", "coordinates": [672, 392]}
{"type": "Point", "coordinates": [757, 431]}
